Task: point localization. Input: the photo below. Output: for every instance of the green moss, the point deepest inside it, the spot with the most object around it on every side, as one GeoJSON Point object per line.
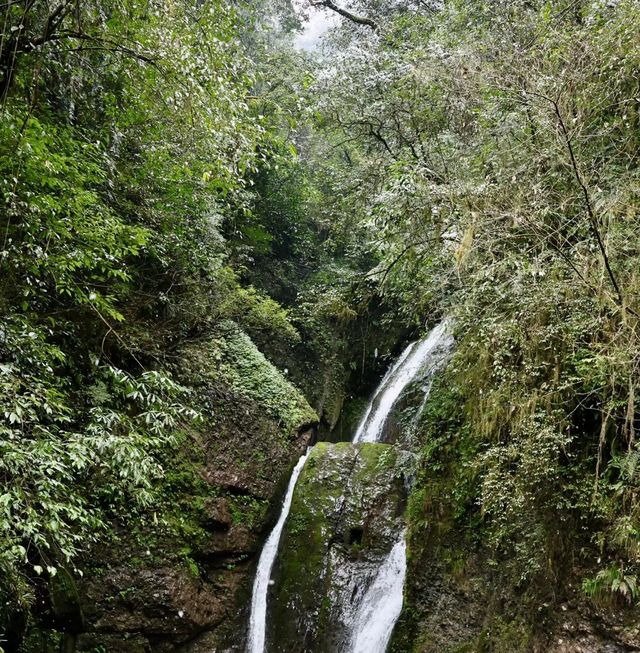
{"type": "Point", "coordinates": [246, 370]}
{"type": "Point", "coordinates": [298, 524]}
{"type": "Point", "coordinates": [344, 490]}
{"type": "Point", "coordinates": [505, 636]}
{"type": "Point", "coordinates": [448, 536]}
{"type": "Point", "coordinates": [248, 511]}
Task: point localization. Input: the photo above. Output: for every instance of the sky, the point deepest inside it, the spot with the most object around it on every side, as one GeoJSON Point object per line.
{"type": "Point", "coordinates": [319, 22]}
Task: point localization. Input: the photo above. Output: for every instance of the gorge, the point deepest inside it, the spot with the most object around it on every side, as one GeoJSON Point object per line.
{"type": "Point", "coordinates": [365, 598]}
{"type": "Point", "coordinates": [238, 240]}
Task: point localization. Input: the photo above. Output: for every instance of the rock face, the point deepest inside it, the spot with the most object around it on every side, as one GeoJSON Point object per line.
{"type": "Point", "coordinates": [346, 515]}
{"type": "Point", "coordinates": [455, 608]}
{"type": "Point", "coordinates": [180, 583]}
{"type": "Point", "coordinates": [456, 598]}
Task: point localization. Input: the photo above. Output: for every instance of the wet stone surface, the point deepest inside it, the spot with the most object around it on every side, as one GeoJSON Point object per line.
{"type": "Point", "coordinates": [346, 516]}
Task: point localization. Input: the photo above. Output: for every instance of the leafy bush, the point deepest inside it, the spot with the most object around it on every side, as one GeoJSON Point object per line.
{"type": "Point", "coordinates": [612, 582]}
{"type": "Point", "coordinates": [51, 447]}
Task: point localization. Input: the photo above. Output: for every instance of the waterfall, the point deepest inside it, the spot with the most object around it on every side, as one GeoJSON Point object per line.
{"type": "Point", "coordinates": [376, 613]}
{"type": "Point", "coordinates": [258, 620]}
{"type": "Point", "coordinates": [430, 351]}
{"type": "Point", "coordinates": [381, 605]}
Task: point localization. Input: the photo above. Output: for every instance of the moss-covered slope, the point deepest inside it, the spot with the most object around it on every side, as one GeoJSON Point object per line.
{"type": "Point", "coordinates": [467, 594]}
{"type": "Point", "coordinates": [171, 581]}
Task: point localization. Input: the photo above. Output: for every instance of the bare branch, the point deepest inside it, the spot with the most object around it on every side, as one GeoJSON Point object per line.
{"type": "Point", "coordinates": [354, 18]}
{"type": "Point", "coordinates": [592, 219]}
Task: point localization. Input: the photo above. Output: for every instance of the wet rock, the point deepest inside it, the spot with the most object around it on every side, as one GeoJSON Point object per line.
{"type": "Point", "coordinates": [238, 540]}
{"type": "Point", "coordinates": [454, 603]}
{"type": "Point", "coordinates": [346, 515]}
{"type": "Point", "coordinates": [153, 601]}
{"type": "Point", "coordinates": [114, 643]}
{"type": "Point", "coordinates": [218, 513]}
{"type": "Point", "coordinates": [581, 627]}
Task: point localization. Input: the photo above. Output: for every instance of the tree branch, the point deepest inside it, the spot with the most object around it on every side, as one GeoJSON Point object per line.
{"type": "Point", "coordinates": [103, 43]}
{"type": "Point", "coordinates": [587, 201]}
{"type": "Point", "coordinates": [354, 18]}
{"type": "Point", "coordinates": [387, 270]}
{"type": "Point", "coordinates": [592, 219]}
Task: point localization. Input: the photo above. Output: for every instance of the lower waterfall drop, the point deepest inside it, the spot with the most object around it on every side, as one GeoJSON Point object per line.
{"type": "Point", "coordinates": [381, 605]}
{"type": "Point", "coordinates": [258, 620]}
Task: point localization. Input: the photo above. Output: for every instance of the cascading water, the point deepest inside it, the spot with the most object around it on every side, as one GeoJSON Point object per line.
{"type": "Point", "coordinates": [381, 605]}
{"type": "Point", "coordinates": [258, 620]}
{"type": "Point", "coordinates": [430, 351]}
{"type": "Point", "coordinates": [374, 616]}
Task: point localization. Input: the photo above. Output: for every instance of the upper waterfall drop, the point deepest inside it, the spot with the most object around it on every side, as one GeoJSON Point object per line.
{"type": "Point", "coordinates": [428, 352]}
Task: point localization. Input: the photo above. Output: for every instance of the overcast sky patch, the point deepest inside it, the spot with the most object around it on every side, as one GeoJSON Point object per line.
{"type": "Point", "coordinates": [319, 22]}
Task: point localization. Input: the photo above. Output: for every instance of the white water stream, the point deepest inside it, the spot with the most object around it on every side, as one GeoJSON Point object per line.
{"type": "Point", "coordinates": [380, 607]}
{"type": "Point", "coordinates": [413, 359]}
{"type": "Point", "coordinates": [258, 620]}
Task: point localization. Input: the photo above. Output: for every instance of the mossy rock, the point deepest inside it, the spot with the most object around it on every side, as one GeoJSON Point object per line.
{"type": "Point", "coordinates": [162, 586]}
{"type": "Point", "coordinates": [232, 359]}
{"type": "Point", "coordinates": [346, 515]}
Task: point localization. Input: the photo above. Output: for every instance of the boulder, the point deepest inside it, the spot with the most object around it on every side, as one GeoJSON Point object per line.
{"type": "Point", "coordinates": [346, 515]}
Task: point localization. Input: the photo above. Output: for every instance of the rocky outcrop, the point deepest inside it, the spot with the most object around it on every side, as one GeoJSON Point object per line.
{"type": "Point", "coordinates": [460, 597]}
{"type": "Point", "coordinates": [454, 605]}
{"type": "Point", "coordinates": [346, 514]}
{"type": "Point", "coordinates": [183, 575]}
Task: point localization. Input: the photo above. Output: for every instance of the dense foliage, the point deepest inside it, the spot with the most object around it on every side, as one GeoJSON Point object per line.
{"type": "Point", "coordinates": [130, 140]}
{"type": "Point", "coordinates": [176, 174]}
{"type": "Point", "coordinates": [495, 149]}
{"type": "Point", "coordinates": [152, 195]}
